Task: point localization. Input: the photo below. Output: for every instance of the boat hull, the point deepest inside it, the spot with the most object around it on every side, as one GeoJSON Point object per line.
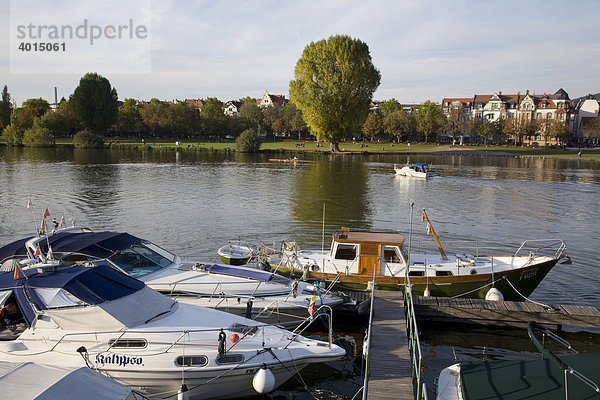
{"type": "Point", "coordinates": [513, 284]}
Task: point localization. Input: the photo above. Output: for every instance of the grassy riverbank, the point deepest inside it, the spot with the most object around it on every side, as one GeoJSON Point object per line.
{"type": "Point", "coordinates": [299, 147]}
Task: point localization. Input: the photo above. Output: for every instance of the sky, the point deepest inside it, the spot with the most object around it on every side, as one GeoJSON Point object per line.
{"type": "Point", "coordinates": [425, 50]}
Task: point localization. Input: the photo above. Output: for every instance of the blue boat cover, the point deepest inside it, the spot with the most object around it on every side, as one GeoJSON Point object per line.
{"type": "Point", "coordinates": [93, 244]}
{"type": "Point", "coordinates": [92, 285]}
{"type": "Point", "coordinates": [241, 272]}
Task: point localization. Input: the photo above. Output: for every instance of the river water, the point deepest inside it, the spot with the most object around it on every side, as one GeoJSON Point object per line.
{"type": "Point", "coordinates": [193, 202]}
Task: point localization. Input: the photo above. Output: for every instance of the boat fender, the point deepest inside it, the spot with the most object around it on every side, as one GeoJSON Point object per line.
{"type": "Point", "coordinates": [222, 337]}
{"type": "Point", "coordinates": [426, 292]}
{"type": "Point", "coordinates": [494, 295]}
{"type": "Point", "coordinates": [182, 393]}
{"type": "Point", "coordinates": [264, 380]}
{"type": "Point", "coordinates": [249, 309]}
{"type": "Point", "coordinates": [234, 338]}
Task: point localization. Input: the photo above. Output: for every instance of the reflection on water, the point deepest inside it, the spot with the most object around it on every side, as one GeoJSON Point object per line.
{"type": "Point", "coordinates": [194, 202]}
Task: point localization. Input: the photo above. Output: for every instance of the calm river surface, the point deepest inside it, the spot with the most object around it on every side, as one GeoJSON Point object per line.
{"type": "Point", "coordinates": [193, 202]}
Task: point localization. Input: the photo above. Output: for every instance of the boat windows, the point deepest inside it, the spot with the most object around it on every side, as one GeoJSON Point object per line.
{"type": "Point", "coordinates": [230, 359]}
{"type": "Point", "coordinates": [57, 298]}
{"type": "Point", "coordinates": [345, 252]}
{"type": "Point", "coordinates": [390, 255]}
{"type": "Point", "coordinates": [140, 260]}
{"type": "Point", "coordinates": [128, 343]}
{"type": "Point", "coordinates": [191, 361]}
{"type": "Point", "coordinates": [443, 273]}
{"type": "Point", "coordinates": [416, 273]}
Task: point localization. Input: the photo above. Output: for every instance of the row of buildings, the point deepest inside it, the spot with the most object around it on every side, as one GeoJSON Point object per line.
{"type": "Point", "coordinates": [232, 108]}
{"type": "Point", "coordinates": [527, 107]}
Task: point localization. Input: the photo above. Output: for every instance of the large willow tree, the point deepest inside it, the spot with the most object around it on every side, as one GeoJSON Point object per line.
{"type": "Point", "coordinates": [334, 82]}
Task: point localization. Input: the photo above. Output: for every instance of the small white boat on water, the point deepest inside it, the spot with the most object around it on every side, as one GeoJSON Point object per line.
{"type": "Point", "coordinates": [240, 290]}
{"type": "Point", "coordinates": [417, 170]}
{"type": "Point", "coordinates": [236, 253]}
{"type": "Point", "coordinates": [75, 316]}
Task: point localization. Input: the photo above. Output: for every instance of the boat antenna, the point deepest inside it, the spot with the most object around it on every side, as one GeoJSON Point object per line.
{"type": "Point", "coordinates": [412, 206]}
{"type": "Point", "coordinates": [323, 239]}
{"type": "Point", "coordinates": [30, 207]}
{"type": "Point", "coordinates": [435, 236]}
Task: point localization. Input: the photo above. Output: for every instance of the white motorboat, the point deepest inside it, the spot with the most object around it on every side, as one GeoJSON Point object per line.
{"type": "Point", "coordinates": [240, 290]}
{"type": "Point", "coordinates": [99, 317]}
{"type": "Point", "coordinates": [417, 170]}
{"type": "Point", "coordinates": [356, 257]}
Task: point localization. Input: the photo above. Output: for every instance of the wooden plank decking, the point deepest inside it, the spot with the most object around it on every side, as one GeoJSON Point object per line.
{"type": "Point", "coordinates": [503, 313]}
{"type": "Point", "coordinates": [390, 366]}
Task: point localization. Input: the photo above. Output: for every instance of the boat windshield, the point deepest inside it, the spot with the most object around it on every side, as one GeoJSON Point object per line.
{"type": "Point", "coordinates": [142, 259]}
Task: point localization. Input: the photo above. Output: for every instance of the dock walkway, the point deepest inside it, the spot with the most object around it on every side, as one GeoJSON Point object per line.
{"type": "Point", "coordinates": [390, 363]}
{"type": "Point", "coordinates": [502, 313]}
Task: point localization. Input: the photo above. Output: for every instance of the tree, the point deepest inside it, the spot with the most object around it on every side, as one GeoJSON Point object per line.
{"type": "Point", "coordinates": [456, 123]}
{"type": "Point", "coordinates": [252, 114]}
{"type": "Point", "coordinates": [388, 107]}
{"type": "Point", "coordinates": [86, 139]}
{"type": "Point", "coordinates": [430, 119]}
{"type": "Point", "coordinates": [5, 109]}
{"type": "Point", "coordinates": [399, 123]}
{"type": "Point", "coordinates": [38, 107]}
{"type": "Point", "coordinates": [22, 118]}
{"type": "Point", "coordinates": [95, 103]}
{"type": "Point", "coordinates": [129, 120]}
{"type": "Point", "coordinates": [12, 135]}
{"type": "Point", "coordinates": [592, 129]}
{"type": "Point", "coordinates": [293, 120]}
{"type": "Point", "coordinates": [248, 141]}
{"type": "Point", "coordinates": [56, 123]}
{"type": "Point", "coordinates": [373, 125]}
{"type": "Point", "coordinates": [213, 108]}
{"type": "Point", "coordinates": [38, 137]}
{"type": "Point", "coordinates": [334, 82]}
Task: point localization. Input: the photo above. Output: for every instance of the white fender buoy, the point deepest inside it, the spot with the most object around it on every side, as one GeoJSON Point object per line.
{"type": "Point", "coordinates": [494, 295]}
{"type": "Point", "coordinates": [182, 393]}
{"type": "Point", "coordinates": [426, 292]}
{"type": "Point", "coordinates": [264, 380]}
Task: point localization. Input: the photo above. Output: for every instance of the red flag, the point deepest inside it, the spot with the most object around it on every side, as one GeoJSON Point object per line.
{"type": "Point", "coordinates": [423, 216]}
{"type": "Point", "coordinates": [428, 228]}
{"type": "Point", "coordinates": [43, 227]}
{"type": "Point", "coordinates": [46, 213]}
{"type": "Point", "coordinates": [17, 271]}
{"type": "Point", "coordinates": [311, 306]}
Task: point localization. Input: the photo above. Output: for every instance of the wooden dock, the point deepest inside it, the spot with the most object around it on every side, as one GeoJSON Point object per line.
{"type": "Point", "coordinates": [503, 313]}
{"type": "Point", "coordinates": [390, 374]}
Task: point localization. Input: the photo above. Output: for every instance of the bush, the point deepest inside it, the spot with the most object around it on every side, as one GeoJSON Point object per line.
{"type": "Point", "coordinates": [87, 140]}
{"type": "Point", "coordinates": [38, 137]}
{"type": "Point", "coordinates": [12, 135]}
{"type": "Point", "coordinates": [247, 142]}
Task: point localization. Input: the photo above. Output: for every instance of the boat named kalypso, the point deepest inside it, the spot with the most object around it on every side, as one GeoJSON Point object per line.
{"type": "Point", "coordinates": [355, 258]}
{"type": "Point", "coordinates": [94, 315]}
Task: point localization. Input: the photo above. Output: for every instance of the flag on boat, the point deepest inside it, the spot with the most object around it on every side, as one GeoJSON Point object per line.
{"type": "Point", "coordinates": [423, 216]}
{"type": "Point", "coordinates": [37, 252]}
{"type": "Point", "coordinates": [46, 213]}
{"type": "Point", "coordinates": [43, 227]}
{"type": "Point", "coordinates": [311, 306]}
{"type": "Point", "coordinates": [29, 203]}
{"type": "Point", "coordinates": [428, 228]}
{"type": "Point", "coordinates": [17, 271]}
{"type": "Point", "coordinates": [62, 222]}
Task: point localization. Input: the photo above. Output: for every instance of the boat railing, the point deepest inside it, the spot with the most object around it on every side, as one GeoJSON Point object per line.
{"type": "Point", "coordinates": [532, 327]}
{"type": "Point", "coordinates": [535, 246]}
{"type": "Point", "coordinates": [414, 344]}
{"type": "Point", "coordinates": [323, 310]}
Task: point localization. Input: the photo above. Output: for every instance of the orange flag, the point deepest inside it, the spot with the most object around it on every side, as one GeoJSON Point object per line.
{"type": "Point", "coordinates": [17, 271]}
{"type": "Point", "coordinates": [46, 213]}
{"type": "Point", "coordinates": [37, 252]}
{"type": "Point", "coordinates": [43, 227]}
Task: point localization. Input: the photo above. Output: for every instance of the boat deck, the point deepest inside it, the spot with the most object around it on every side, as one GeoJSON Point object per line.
{"type": "Point", "coordinates": [390, 365]}
{"type": "Point", "coordinates": [503, 313]}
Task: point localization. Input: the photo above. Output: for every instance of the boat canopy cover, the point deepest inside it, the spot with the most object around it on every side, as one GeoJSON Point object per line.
{"type": "Point", "coordinates": [241, 272]}
{"type": "Point", "coordinates": [36, 381]}
{"type": "Point", "coordinates": [94, 244]}
{"type": "Point", "coordinates": [100, 286]}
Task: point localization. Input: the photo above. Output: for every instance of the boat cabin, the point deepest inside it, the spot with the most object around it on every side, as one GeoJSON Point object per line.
{"type": "Point", "coordinates": [362, 251]}
{"type": "Point", "coordinates": [420, 167]}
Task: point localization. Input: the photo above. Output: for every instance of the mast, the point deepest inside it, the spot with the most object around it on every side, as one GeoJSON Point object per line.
{"type": "Point", "coordinates": [435, 236]}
